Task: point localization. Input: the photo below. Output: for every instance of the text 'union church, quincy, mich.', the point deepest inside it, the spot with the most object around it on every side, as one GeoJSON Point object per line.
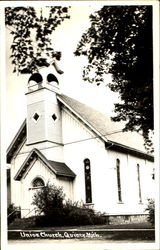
{"type": "Point", "coordinates": [69, 144]}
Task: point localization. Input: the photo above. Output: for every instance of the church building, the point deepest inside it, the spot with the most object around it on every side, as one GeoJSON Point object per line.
{"type": "Point", "coordinates": [69, 144]}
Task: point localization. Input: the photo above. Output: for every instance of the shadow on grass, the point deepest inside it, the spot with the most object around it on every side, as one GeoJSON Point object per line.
{"type": "Point", "coordinates": [30, 224]}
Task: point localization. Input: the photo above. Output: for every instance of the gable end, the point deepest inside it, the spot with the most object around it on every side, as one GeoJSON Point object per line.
{"type": "Point", "coordinates": [58, 168]}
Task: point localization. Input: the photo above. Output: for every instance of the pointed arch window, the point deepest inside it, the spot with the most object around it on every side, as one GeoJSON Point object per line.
{"type": "Point", "coordinates": [88, 187]}
{"type": "Point", "coordinates": [38, 183]}
{"type": "Point", "coordinates": [139, 183]}
{"type": "Point", "coordinates": [153, 174]}
{"type": "Point", "coordinates": [118, 180]}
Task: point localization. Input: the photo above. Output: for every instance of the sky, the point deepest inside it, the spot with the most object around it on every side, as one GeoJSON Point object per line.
{"type": "Point", "coordinates": [65, 39]}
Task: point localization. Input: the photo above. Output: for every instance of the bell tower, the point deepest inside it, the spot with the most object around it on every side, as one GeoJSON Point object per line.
{"type": "Point", "coordinates": [43, 112]}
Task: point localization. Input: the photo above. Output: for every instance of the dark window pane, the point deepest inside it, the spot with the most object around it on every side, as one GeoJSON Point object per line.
{"type": "Point", "coordinates": [88, 190]}
{"type": "Point", "coordinates": [38, 182]}
{"type": "Point", "coordinates": [118, 180]}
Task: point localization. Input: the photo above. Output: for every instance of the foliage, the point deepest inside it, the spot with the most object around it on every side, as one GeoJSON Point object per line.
{"type": "Point", "coordinates": [151, 211]}
{"type": "Point", "coordinates": [54, 210]}
{"type": "Point", "coordinates": [119, 42]}
{"type": "Point", "coordinates": [31, 46]}
{"type": "Point", "coordinates": [13, 212]}
{"type": "Point", "coordinates": [71, 215]}
{"type": "Point", "coordinates": [48, 199]}
{"type": "Point", "coordinates": [79, 214]}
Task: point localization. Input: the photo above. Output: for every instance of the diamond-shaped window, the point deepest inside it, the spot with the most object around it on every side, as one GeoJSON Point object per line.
{"type": "Point", "coordinates": [36, 117]}
{"type": "Point", "coordinates": [54, 117]}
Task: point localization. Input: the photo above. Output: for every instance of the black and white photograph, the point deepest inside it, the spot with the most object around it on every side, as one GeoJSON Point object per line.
{"type": "Point", "coordinates": [80, 125]}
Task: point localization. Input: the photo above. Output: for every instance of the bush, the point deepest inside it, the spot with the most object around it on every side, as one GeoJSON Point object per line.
{"type": "Point", "coordinates": [72, 214]}
{"type": "Point", "coordinates": [55, 211]}
{"type": "Point", "coordinates": [13, 212]}
{"type": "Point", "coordinates": [48, 199]}
{"type": "Point", "coordinates": [151, 211]}
{"type": "Point", "coordinates": [100, 218]}
{"type": "Point", "coordinates": [79, 214]}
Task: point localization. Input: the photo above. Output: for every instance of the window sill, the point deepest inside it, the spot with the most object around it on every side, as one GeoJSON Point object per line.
{"type": "Point", "coordinates": [90, 205]}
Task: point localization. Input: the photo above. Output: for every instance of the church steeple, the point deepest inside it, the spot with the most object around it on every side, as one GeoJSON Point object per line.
{"type": "Point", "coordinates": [43, 111]}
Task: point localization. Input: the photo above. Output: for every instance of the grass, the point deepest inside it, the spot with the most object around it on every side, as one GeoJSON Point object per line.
{"type": "Point", "coordinates": [27, 225]}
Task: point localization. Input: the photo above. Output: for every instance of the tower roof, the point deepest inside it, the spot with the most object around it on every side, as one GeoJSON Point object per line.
{"type": "Point", "coordinates": [43, 79]}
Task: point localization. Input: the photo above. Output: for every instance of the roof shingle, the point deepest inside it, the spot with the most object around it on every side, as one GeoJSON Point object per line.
{"type": "Point", "coordinates": [108, 129]}
{"type": "Point", "coordinates": [61, 169]}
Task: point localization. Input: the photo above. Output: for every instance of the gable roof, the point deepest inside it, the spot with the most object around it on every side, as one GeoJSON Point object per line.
{"type": "Point", "coordinates": [58, 168]}
{"type": "Point", "coordinates": [101, 124]}
{"type": "Point", "coordinates": [109, 131]}
{"type": "Point", "coordinates": [61, 169]}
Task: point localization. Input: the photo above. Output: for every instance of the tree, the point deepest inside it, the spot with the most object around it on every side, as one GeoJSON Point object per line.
{"type": "Point", "coordinates": [31, 30]}
{"type": "Point", "coordinates": [151, 211]}
{"type": "Point", "coordinates": [119, 42]}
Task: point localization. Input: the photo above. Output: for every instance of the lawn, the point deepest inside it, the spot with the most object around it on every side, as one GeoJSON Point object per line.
{"type": "Point", "coordinates": [28, 224]}
{"type": "Point", "coordinates": [130, 231]}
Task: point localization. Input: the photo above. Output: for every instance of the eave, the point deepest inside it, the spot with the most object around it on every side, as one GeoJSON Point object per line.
{"type": "Point", "coordinates": [108, 143]}
{"type": "Point", "coordinates": [16, 142]}
{"type": "Point", "coordinates": [111, 145]}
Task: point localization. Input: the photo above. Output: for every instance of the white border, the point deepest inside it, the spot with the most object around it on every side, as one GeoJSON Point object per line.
{"type": "Point", "coordinates": [3, 4]}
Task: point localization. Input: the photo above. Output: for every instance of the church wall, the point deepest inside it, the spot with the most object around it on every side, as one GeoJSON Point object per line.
{"type": "Point", "coordinates": [148, 183]}
{"type": "Point", "coordinates": [103, 171]}
{"type": "Point", "coordinates": [15, 185]}
{"type": "Point", "coordinates": [75, 153]}
{"type": "Point", "coordinates": [67, 187]}
{"type": "Point", "coordinates": [129, 183]}
{"type": "Point", "coordinates": [16, 163]}
{"type": "Point", "coordinates": [52, 151]}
